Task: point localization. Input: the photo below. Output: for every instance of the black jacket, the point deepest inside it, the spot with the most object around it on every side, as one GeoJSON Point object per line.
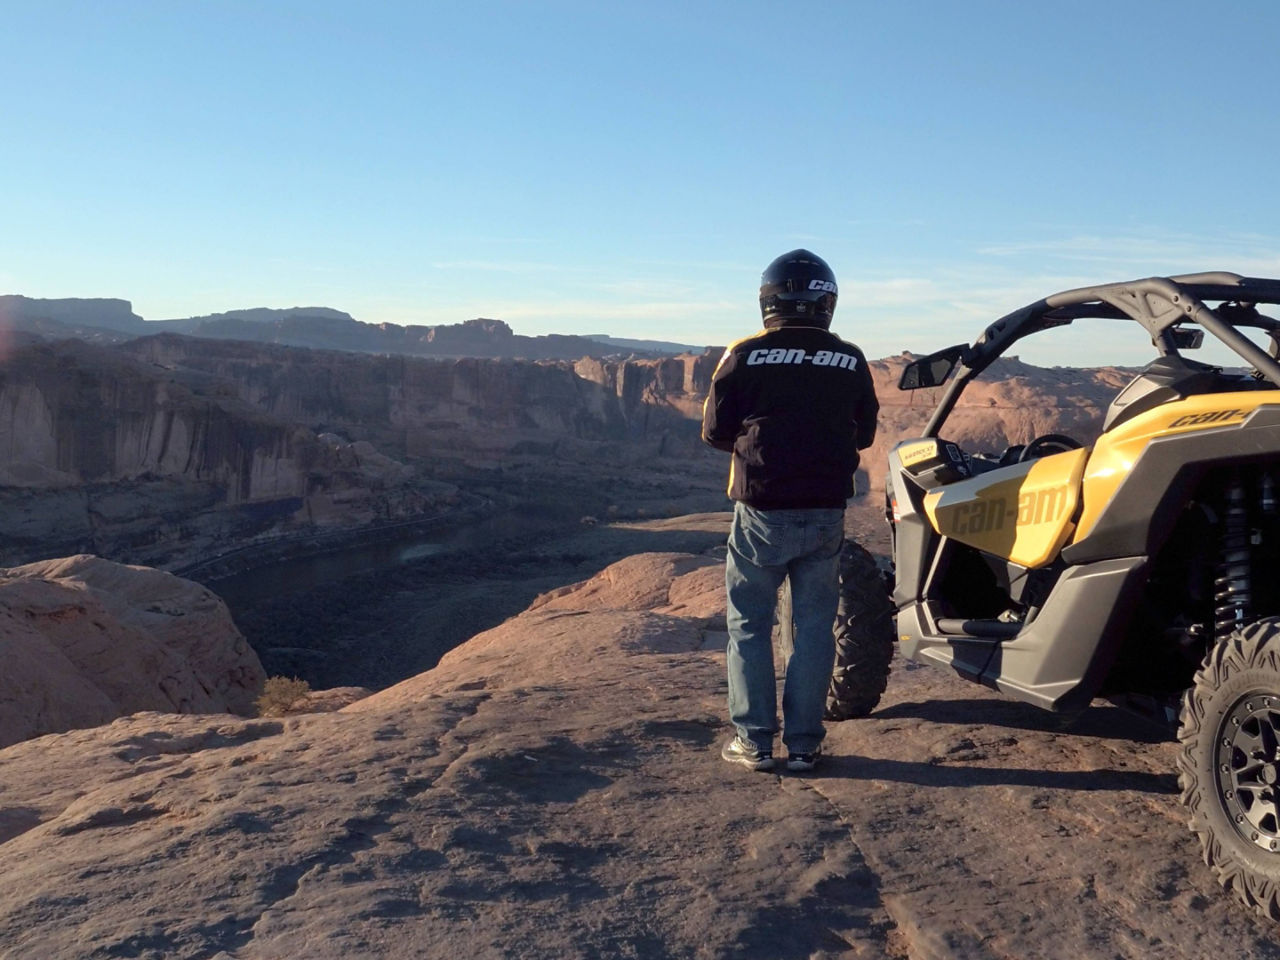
{"type": "Point", "coordinates": [794, 404]}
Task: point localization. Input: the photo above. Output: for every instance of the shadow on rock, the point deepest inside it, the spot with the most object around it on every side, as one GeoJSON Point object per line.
{"type": "Point", "coordinates": [944, 775]}
{"type": "Point", "coordinates": [1107, 723]}
{"type": "Point", "coordinates": [553, 773]}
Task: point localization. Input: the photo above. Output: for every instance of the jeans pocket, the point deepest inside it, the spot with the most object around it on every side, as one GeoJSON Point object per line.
{"type": "Point", "coordinates": [752, 537]}
{"type": "Point", "coordinates": [828, 537]}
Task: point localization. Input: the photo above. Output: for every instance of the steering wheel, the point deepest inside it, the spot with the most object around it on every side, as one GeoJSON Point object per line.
{"type": "Point", "coordinates": [1010, 454]}
{"type": "Point", "coordinates": [1048, 443]}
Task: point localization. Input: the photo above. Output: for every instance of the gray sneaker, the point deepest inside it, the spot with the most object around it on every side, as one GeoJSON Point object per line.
{"type": "Point", "coordinates": [747, 755]}
{"type": "Point", "coordinates": [803, 762]}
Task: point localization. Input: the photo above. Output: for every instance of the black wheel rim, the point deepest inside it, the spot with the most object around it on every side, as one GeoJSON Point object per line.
{"type": "Point", "coordinates": [1247, 760]}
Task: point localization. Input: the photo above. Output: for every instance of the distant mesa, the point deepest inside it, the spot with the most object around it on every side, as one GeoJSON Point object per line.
{"type": "Point", "coordinates": [646, 346]}
{"type": "Point", "coordinates": [71, 316]}
{"type": "Point", "coordinates": [255, 315]}
{"type": "Point", "coordinates": [321, 328]}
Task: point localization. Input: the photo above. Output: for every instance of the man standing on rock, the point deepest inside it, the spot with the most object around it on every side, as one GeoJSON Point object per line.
{"type": "Point", "coordinates": [793, 404]}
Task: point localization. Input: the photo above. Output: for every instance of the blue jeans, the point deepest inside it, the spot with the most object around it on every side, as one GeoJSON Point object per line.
{"type": "Point", "coordinates": [766, 546]}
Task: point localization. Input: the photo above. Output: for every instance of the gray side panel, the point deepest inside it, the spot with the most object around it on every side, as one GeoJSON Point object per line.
{"type": "Point", "coordinates": [1135, 523]}
{"type": "Point", "coordinates": [1059, 661]}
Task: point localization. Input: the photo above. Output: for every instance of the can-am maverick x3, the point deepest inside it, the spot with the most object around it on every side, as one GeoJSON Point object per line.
{"type": "Point", "coordinates": [1141, 568]}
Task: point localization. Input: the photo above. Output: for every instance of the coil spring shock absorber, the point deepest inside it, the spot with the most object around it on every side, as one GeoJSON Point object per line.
{"type": "Point", "coordinates": [1231, 587]}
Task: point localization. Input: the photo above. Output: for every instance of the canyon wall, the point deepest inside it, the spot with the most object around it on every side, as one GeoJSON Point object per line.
{"type": "Point", "coordinates": [102, 453]}
{"type": "Point", "coordinates": [170, 447]}
{"type": "Point", "coordinates": [411, 405]}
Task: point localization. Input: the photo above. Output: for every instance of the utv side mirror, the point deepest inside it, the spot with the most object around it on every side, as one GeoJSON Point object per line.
{"type": "Point", "coordinates": [1186, 339]}
{"type": "Point", "coordinates": [933, 370]}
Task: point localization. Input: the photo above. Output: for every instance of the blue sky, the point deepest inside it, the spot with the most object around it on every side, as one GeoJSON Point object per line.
{"type": "Point", "coordinates": [630, 168]}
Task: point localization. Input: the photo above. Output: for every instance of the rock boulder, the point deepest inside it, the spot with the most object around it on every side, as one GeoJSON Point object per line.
{"type": "Point", "coordinates": [86, 641]}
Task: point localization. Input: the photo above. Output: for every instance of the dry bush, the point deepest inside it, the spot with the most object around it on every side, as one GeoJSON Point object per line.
{"type": "Point", "coordinates": [279, 694]}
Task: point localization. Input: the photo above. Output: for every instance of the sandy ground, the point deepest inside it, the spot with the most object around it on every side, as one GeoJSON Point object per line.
{"type": "Point", "coordinates": [554, 789]}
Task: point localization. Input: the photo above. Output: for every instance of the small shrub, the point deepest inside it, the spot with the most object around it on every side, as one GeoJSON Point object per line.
{"type": "Point", "coordinates": [279, 694]}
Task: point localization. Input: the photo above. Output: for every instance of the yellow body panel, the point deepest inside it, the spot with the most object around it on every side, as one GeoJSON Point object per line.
{"type": "Point", "coordinates": [1021, 512]}
{"type": "Point", "coordinates": [1117, 450]}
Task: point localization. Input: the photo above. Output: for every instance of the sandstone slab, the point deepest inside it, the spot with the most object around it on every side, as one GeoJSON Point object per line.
{"type": "Point", "coordinates": [553, 789]}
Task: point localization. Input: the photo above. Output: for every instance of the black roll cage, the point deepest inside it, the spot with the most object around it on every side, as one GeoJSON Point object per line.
{"type": "Point", "coordinates": [1160, 304]}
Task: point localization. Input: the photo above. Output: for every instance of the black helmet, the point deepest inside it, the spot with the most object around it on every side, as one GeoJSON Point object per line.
{"type": "Point", "coordinates": [798, 284]}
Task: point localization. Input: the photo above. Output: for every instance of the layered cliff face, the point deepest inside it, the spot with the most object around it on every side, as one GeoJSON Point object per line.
{"type": "Point", "coordinates": [170, 447]}
{"type": "Point", "coordinates": [410, 403]}
{"type": "Point", "coordinates": [677, 385]}
{"type": "Point", "coordinates": [1012, 403]}
{"type": "Point", "coordinates": [101, 453]}
{"type": "Point", "coordinates": [71, 414]}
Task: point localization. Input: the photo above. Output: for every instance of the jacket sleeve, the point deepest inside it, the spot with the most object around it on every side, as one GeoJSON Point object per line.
{"type": "Point", "coordinates": [721, 413]}
{"type": "Point", "coordinates": [868, 408]}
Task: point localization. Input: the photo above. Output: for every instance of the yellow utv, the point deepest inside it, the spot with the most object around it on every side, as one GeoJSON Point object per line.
{"type": "Point", "coordinates": [1143, 567]}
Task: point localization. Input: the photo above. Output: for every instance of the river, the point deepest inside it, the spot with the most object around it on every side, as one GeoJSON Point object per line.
{"type": "Point", "coordinates": [271, 581]}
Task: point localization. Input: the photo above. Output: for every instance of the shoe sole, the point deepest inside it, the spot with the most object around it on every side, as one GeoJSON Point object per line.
{"type": "Point", "coordinates": [758, 765]}
{"type": "Point", "coordinates": [801, 766]}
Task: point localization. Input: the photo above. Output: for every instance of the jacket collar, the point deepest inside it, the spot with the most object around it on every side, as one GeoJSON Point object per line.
{"type": "Point", "coordinates": [775, 323]}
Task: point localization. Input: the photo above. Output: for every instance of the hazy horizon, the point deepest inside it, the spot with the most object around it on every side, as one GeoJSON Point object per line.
{"type": "Point", "coordinates": [572, 167]}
